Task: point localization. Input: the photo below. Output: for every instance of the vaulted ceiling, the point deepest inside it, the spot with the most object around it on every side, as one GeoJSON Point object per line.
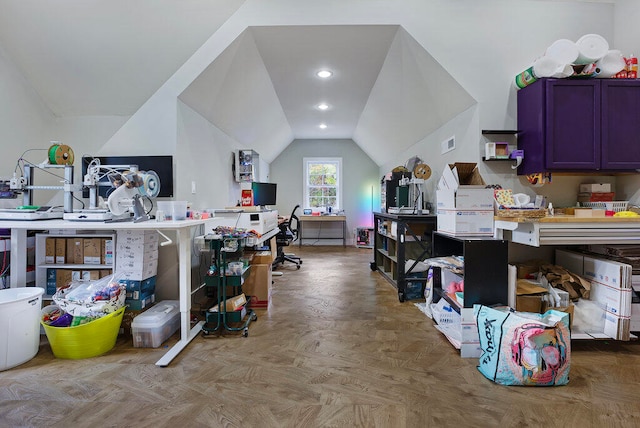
{"type": "Point", "coordinates": [107, 58]}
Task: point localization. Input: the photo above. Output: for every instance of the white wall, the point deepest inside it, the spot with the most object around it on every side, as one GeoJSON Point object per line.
{"type": "Point", "coordinates": [204, 156]}
{"type": "Point", "coordinates": [359, 176]}
{"type": "Point", "coordinates": [24, 124]}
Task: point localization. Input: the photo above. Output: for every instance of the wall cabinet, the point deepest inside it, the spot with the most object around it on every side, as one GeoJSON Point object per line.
{"type": "Point", "coordinates": [245, 166]}
{"type": "Point", "coordinates": [581, 125]}
{"type": "Point", "coordinates": [94, 263]}
{"type": "Point", "coordinates": [399, 238]}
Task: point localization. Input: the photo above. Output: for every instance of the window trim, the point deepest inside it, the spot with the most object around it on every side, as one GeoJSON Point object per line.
{"type": "Point", "coordinates": [305, 188]}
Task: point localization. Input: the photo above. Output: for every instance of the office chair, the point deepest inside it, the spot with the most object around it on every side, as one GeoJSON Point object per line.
{"type": "Point", "coordinates": [286, 236]}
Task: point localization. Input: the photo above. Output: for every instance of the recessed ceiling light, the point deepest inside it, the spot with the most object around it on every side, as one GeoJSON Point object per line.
{"type": "Point", "coordinates": [323, 106]}
{"type": "Point", "coordinates": [324, 74]}
{"type": "Point", "coordinates": [323, 126]}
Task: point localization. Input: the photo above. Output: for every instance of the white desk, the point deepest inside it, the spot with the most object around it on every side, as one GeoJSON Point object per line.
{"type": "Point", "coordinates": [313, 219]}
{"type": "Point", "coordinates": [569, 230]}
{"type": "Point", "coordinates": [183, 228]}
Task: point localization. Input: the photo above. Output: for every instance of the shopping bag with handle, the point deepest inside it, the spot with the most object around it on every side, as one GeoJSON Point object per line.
{"type": "Point", "coordinates": [523, 348]}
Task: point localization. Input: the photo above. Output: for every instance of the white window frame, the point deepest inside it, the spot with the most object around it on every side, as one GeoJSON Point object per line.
{"type": "Point", "coordinates": [305, 168]}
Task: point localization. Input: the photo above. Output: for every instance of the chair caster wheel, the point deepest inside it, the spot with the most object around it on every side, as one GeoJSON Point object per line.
{"type": "Point", "coordinates": [245, 332]}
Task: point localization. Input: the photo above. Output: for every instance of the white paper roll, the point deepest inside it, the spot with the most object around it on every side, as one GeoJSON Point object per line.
{"type": "Point", "coordinates": [611, 64]}
{"type": "Point", "coordinates": [591, 48]}
{"type": "Point", "coordinates": [564, 51]}
{"type": "Point", "coordinates": [546, 67]}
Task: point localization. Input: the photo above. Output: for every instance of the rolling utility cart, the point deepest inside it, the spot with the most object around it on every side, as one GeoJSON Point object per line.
{"type": "Point", "coordinates": [226, 275]}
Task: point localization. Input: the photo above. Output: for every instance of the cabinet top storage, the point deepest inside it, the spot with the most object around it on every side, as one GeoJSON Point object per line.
{"type": "Point", "coordinates": [579, 125]}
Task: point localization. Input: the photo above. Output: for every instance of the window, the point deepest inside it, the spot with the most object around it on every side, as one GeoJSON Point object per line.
{"type": "Point", "coordinates": [322, 182]}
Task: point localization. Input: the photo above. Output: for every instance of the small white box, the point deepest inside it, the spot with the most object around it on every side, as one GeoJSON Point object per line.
{"type": "Point", "coordinates": [595, 188]}
{"type": "Point", "coordinates": [156, 325]}
{"type": "Point", "coordinates": [465, 223]}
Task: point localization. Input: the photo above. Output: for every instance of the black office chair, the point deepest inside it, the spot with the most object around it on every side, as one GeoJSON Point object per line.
{"type": "Point", "coordinates": [287, 235]}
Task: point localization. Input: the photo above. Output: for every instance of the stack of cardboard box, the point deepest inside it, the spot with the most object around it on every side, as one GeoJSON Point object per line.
{"type": "Point", "coordinates": [137, 266]}
{"type": "Point", "coordinates": [465, 205]}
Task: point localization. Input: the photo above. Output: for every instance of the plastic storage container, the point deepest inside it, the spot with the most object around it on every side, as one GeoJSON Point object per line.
{"type": "Point", "coordinates": [173, 210]}
{"type": "Point", "coordinates": [156, 325]}
{"type": "Point", "coordinates": [20, 321]}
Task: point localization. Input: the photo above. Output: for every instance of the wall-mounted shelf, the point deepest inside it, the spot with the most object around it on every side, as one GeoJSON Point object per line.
{"type": "Point", "coordinates": [494, 145]}
{"type": "Point", "coordinates": [499, 132]}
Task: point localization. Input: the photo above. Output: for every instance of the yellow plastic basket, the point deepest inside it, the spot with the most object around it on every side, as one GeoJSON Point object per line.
{"type": "Point", "coordinates": [86, 340]}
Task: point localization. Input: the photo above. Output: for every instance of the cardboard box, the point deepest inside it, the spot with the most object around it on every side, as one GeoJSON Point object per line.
{"type": "Point", "coordinates": [140, 255]}
{"type": "Point", "coordinates": [132, 249]}
{"type": "Point", "coordinates": [75, 251]}
{"type": "Point", "coordinates": [143, 302]}
{"type": "Point", "coordinates": [92, 251]}
{"type": "Point", "coordinates": [611, 290]}
{"type": "Point", "coordinates": [138, 270]}
{"type": "Point", "coordinates": [51, 281]}
{"type": "Point", "coordinates": [258, 285]}
{"type": "Point", "coordinates": [50, 250]}
{"type": "Point", "coordinates": [90, 275]}
{"type": "Point", "coordinates": [147, 285]}
{"type": "Point", "coordinates": [274, 248]}
{"type": "Point", "coordinates": [465, 223]}
{"type": "Point", "coordinates": [261, 258]}
{"type": "Point", "coordinates": [529, 303]}
{"type": "Point", "coordinates": [465, 198]}
{"type": "Point", "coordinates": [107, 251]}
{"type": "Point", "coordinates": [595, 188]}
{"type": "Point", "coordinates": [63, 277]}
{"type": "Point", "coordinates": [232, 303]}
{"type": "Point", "coordinates": [61, 250]}
{"type": "Point", "coordinates": [137, 236]}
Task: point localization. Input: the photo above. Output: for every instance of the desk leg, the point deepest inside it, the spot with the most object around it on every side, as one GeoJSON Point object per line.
{"type": "Point", "coordinates": [187, 334]}
{"type": "Point", "coordinates": [18, 258]}
{"type": "Point", "coordinates": [300, 223]}
{"type": "Point", "coordinates": [344, 233]}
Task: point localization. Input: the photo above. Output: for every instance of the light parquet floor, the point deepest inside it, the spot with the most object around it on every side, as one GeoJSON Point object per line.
{"type": "Point", "coordinates": [335, 349]}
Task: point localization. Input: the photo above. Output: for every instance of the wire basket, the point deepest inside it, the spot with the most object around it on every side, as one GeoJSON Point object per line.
{"type": "Point", "coordinates": [521, 213]}
{"type": "Point", "coordinates": [615, 206]}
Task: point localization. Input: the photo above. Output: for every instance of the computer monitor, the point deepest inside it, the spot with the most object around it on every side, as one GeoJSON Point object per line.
{"type": "Point", "coordinates": [264, 194]}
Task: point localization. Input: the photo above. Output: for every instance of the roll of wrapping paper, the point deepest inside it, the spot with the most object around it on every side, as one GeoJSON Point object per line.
{"type": "Point", "coordinates": [60, 154]}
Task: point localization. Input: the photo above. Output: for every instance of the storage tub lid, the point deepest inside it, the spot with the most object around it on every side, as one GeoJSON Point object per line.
{"type": "Point", "coordinates": [158, 314]}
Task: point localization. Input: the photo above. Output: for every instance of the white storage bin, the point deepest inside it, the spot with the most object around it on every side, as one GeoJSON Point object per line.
{"type": "Point", "coordinates": [20, 321]}
{"type": "Point", "coordinates": [156, 325]}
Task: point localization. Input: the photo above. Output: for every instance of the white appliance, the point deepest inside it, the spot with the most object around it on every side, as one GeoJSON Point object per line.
{"type": "Point", "coordinates": [260, 221]}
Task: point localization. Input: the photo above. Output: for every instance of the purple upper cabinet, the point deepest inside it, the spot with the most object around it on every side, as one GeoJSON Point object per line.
{"type": "Point", "coordinates": [559, 125]}
{"type": "Point", "coordinates": [620, 124]}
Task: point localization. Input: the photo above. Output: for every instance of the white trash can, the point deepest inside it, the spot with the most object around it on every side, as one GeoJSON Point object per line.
{"type": "Point", "coordinates": [19, 325]}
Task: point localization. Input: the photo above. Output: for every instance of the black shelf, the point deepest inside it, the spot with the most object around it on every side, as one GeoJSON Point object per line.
{"type": "Point", "coordinates": [412, 241]}
{"type": "Point", "coordinates": [499, 132]}
{"type": "Point", "coordinates": [485, 267]}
